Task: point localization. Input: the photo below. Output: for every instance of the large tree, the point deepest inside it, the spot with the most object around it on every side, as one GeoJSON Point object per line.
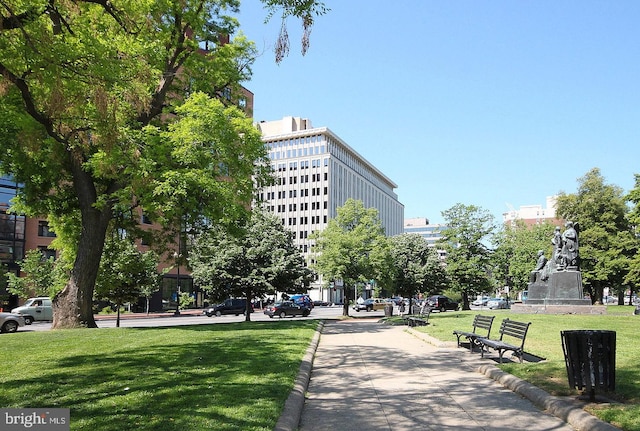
{"type": "Point", "coordinates": [416, 267]}
{"type": "Point", "coordinates": [469, 228]}
{"type": "Point", "coordinates": [95, 120]}
{"type": "Point", "coordinates": [605, 241]}
{"type": "Point", "coordinates": [257, 259]}
{"type": "Point", "coordinates": [352, 248]}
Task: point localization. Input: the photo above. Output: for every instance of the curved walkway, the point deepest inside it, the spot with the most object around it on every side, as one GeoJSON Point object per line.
{"type": "Point", "coordinates": [371, 376]}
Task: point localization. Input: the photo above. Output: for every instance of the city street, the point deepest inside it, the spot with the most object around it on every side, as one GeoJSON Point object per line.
{"type": "Point", "coordinates": [201, 319]}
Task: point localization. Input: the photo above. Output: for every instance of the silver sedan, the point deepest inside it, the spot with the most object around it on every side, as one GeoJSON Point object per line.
{"type": "Point", "coordinates": [10, 322]}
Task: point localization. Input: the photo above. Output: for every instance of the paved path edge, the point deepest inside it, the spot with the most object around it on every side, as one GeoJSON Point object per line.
{"type": "Point", "coordinates": [563, 409]}
{"type": "Point", "coordinates": [291, 413]}
{"type": "Point", "coordinates": [572, 414]}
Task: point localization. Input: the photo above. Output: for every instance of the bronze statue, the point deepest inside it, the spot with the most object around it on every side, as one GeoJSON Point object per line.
{"type": "Point", "coordinates": [570, 254]}
{"type": "Point", "coordinates": [540, 264]}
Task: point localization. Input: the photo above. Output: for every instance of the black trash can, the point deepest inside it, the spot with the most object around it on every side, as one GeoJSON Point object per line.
{"type": "Point", "coordinates": [388, 310]}
{"type": "Point", "coordinates": [590, 357]}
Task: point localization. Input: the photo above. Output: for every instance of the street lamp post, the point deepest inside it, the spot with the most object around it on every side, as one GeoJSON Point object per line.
{"type": "Point", "coordinates": [177, 313]}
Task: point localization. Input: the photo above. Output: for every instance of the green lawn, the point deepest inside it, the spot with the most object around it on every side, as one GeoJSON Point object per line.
{"type": "Point", "coordinates": [544, 340]}
{"type": "Point", "coordinates": [203, 377]}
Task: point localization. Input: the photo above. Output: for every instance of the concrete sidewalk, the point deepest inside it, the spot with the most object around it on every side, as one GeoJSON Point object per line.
{"type": "Point", "coordinates": [371, 376]}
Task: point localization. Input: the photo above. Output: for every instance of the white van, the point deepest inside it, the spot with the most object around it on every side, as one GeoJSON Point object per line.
{"type": "Point", "coordinates": [35, 309]}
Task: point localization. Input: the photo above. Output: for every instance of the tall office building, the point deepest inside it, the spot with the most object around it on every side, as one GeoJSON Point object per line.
{"type": "Point", "coordinates": [316, 173]}
{"type": "Point", "coordinates": [432, 233]}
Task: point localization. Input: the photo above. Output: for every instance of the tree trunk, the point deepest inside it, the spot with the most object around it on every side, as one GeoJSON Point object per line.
{"type": "Point", "coordinates": [596, 292]}
{"type": "Point", "coordinates": [465, 301]}
{"type": "Point", "coordinates": [345, 305]}
{"type": "Point", "coordinates": [73, 306]}
{"type": "Point", "coordinates": [248, 307]}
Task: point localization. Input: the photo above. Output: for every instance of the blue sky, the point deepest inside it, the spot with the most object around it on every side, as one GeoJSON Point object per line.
{"type": "Point", "coordinates": [490, 103]}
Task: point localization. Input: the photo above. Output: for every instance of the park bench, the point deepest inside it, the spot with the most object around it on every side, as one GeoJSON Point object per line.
{"type": "Point", "coordinates": [513, 330]}
{"type": "Point", "coordinates": [420, 319]}
{"type": "Point", "coordinates": [480, 322]}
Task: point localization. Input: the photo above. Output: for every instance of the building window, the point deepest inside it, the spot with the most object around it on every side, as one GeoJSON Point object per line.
{"type": "Point", "coordinates": [145, 219]}
{"type": "Point", "coordinates": [47, 252]}
{"type": "Point", "coordinates": [43, 229]}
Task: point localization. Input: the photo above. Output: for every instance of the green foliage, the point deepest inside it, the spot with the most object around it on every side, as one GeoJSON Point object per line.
{"type": "Point", "coordinates": [415, 267]}
{"type": "Point", "coordinates": [39, 279]}
{"type": "Point", "coordinates": [468, 258]}
{"type": "Point", "coordinates": [125, 272]}
{"type": "Point", "coordinates": [186, 300]}
{"type": "Point", "coordinates": [352, 248]}
{"type": "Point", "coordinates": [110, 106]}
{"type": "Point", "coordinates": [256, 259]}
{"type": "Point", "coordinates": [210, 155]}
{"type": "Point", "coordinates": [607, 243]}
{"type": "Point", "coordinates": [515, 253]}
{"type": "Point", "coordinates": [633, 275]}
{"type": "Point", "coordinates": [305, 10]}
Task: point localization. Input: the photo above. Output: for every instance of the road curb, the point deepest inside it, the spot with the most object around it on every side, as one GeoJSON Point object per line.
{"type": "Point", "coordinates": [291, 413]}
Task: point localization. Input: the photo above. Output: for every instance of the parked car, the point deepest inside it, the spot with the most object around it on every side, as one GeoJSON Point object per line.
{"type": "Point", "coordinates": [304, 300]}
{"type": "Point", "coordinates": [35, 309]}
{"type": "Point", "coordinates": [481, 302]}
{"type": "Point", "coordinates": [371, 304]}
{"type": "Point", "coordinates": [442, 303]}
{"type": "Point", "coordinates": [286, 308]}
{"type": "Point", "coordinates": [229, 306]}
{"type": "Point", "coordinates": [495, 303]}
{"type": "Point", "coordinates": [10, 322]}
{"type": "Point", "coordinates": [610, 300]}
{"type": "Point", "coordinates": [319, 302]}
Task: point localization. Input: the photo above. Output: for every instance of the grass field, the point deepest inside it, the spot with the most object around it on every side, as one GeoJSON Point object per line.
{"type": "Point", "coordinates": [203, 377]}
{"type": "Point", "coordinates": [544, 340]}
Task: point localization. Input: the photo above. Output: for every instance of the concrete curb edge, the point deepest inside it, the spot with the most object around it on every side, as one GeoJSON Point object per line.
{"type": "Point", "coordinates": [291, 413]}
{"type": "Point", "coordinates": [574, 415]}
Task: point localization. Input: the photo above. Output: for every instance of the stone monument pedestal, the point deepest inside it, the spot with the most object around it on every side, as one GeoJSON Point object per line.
{"type": "Point", "coordinates": [561, 293]}
{"type": "Point", "coordinates": [562, 288]}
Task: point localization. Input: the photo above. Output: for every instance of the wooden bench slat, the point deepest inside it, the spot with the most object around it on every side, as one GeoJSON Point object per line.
{"type": "Point", "coordinates": [479, 322]}
{"type": "Point", "coordinates": [510, 328]}
{"type": "Point", "coordinates": [421, 319]}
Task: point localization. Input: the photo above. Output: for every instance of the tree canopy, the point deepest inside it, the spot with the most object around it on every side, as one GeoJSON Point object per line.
{"type": "Point", "coordinates": [469, 228]}
{"type": "Point", "coordinates": [40, 276]}
{"type": "Point", "coordinates": [352, 248]}
{"type": "Point", "coordinates": [515, 252]}
{"type": "Point", "coordinates": [112, 108]}
{"type": "Point", "coordinates": [416, 267]}
{"type": "Point", "coordinates": [606, 241]}
{"type": "Point", "coordinates": [256, 260]}
{"type": "Point", "coordinates": [125, 272]}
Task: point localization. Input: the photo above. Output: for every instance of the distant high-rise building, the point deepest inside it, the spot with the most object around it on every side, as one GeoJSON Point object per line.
{"type": "Point", "coordinates": [533, 214]}
{"type": "Point", "coordinates": [316, 173]}
{"type": "Point", "coordinates": [430, 232]}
